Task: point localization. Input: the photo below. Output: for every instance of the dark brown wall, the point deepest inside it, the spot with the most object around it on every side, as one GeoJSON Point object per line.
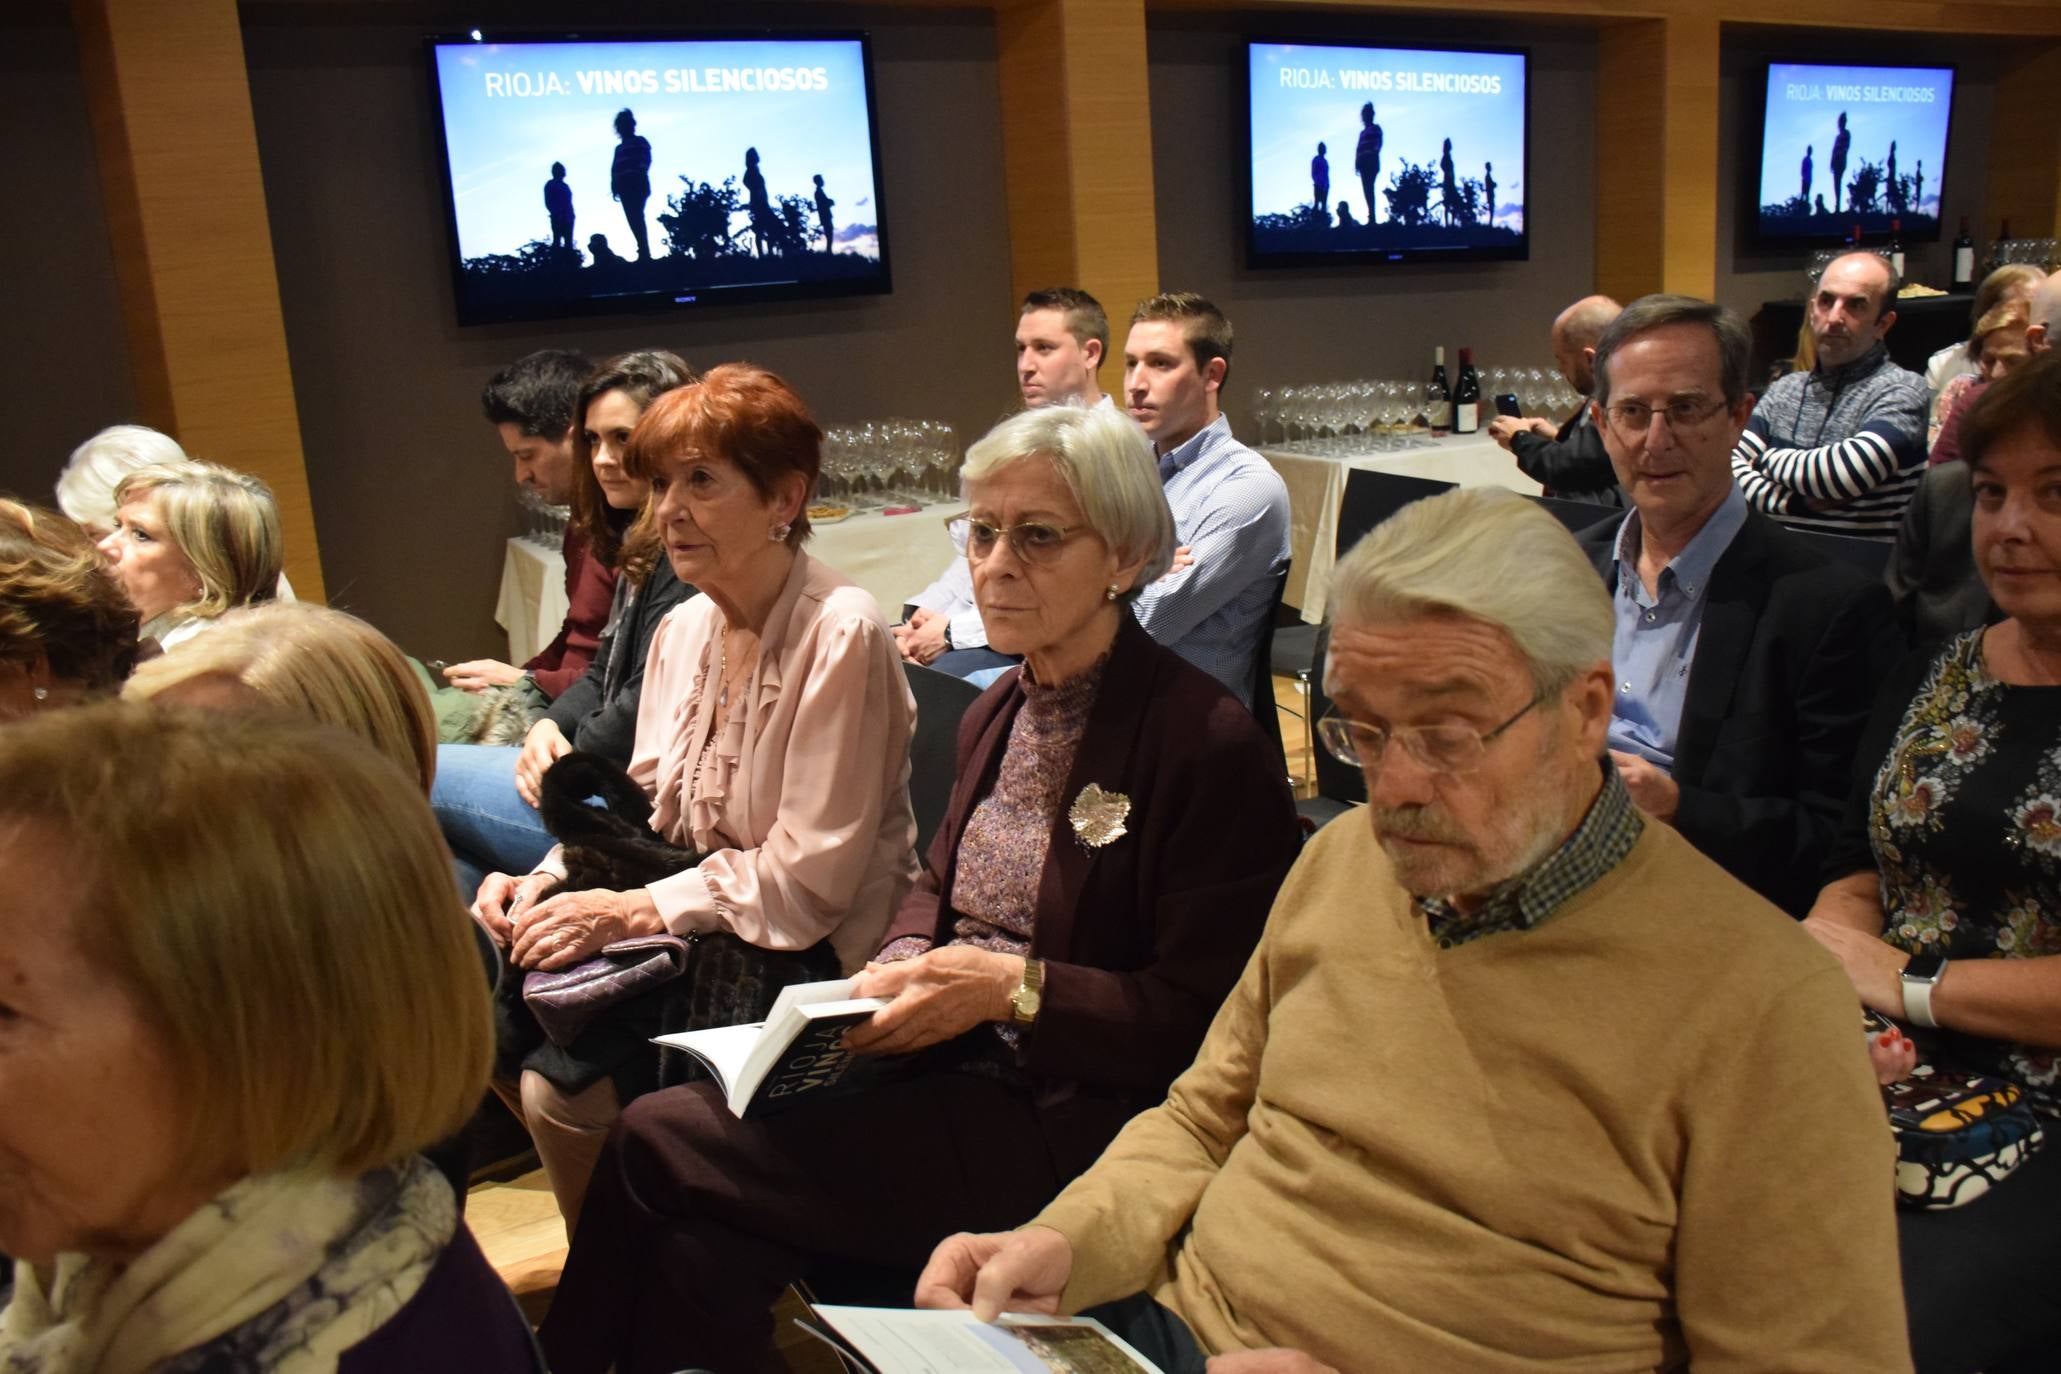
{"type": "Point", "coordinates": [64, 369]}
{"type": "Point", "coordinates": [412, 494]}
{"type": "Point", "coordinates": [1748, 276]}
{"type": "Point", "coordinates": [1322, 324]}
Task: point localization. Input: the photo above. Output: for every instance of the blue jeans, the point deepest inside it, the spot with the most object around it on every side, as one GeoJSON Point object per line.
{"type": "Point", "coordinates": [488, 825]}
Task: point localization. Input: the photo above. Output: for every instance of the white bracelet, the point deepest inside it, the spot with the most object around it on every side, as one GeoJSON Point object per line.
{"type": "Point", "coordinates": [1918, 1002]}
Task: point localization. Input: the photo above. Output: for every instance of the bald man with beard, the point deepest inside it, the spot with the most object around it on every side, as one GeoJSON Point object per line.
{"type": "Point", "coordinates": [1568, 461]}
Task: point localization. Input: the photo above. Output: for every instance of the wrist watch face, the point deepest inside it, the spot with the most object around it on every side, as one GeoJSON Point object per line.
{"type": "Point", "coordinates": [1925, 966]}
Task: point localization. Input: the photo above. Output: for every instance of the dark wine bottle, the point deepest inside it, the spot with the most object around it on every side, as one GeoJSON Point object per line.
{"type": "Point", "coordinates": [1896, 248]}
{"type": "Point", "coordinates": [1996, 250]}
{"type": "Point", "coordinates": [1964, 258]}
{"type": "Point", "coordinates": [1438, 397]}
{"type": "Point", "coordinates": [1467, 396]}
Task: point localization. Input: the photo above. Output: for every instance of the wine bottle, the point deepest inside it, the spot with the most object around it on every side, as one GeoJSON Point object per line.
{"type": "Point", "coordinates": [1996, 250]}
{"type": "Point", "coordinates": [1896, 248]}
{"type": "Point", "coordinates": [1467, 396]}
{"type": "Point", "coordinates": [1438, 397]}
{"type": "Point", "coordinates": [1964, 258]}
{"type": "Point", "coordinates": [1855, 241]}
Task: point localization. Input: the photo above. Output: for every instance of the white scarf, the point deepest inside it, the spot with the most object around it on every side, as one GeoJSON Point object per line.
{"type": "Point", "coordinates": [281, 1273]}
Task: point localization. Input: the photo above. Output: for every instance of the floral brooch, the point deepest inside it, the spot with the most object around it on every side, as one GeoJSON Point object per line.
{"type": "Point", "coordinates": [1097, 816]}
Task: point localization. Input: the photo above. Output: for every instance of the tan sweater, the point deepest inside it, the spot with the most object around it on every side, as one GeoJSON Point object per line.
{"type": "Point", "coordinates": [1640, 1134]}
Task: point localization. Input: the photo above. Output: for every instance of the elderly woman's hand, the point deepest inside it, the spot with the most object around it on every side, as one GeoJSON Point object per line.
{"type": "Point", "coordinates": [565, 929]}
{"type": "Point", "coordinates": [503, 897]}
{"type": "Point", "coordinates": [1871, 963]}
{"type": "Point", "coordinates": [936, 996]}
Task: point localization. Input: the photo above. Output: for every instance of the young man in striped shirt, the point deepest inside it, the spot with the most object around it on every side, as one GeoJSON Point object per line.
{"type": "Point", "coordinates": [1840, 448]}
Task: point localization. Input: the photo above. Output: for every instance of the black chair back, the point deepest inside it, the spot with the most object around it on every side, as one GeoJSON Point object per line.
{"type": "Point", "coordinates": [1263, 669]}
{"type": "Point", "coordinates": [1869, 557]}
{"type": "Point", "coordinates": [941, 700]}
{"type": "Point", "coordinates": [1337, 780]}
{"type": "Point", "coordinates": [1371, 497]}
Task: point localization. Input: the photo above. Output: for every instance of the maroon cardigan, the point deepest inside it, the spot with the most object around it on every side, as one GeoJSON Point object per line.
{"type": "Point", "coordinates": [590, 590]}
{"type": "Point", "coordinates": [1144, 937]}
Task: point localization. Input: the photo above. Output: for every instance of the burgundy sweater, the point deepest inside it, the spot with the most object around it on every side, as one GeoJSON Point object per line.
{"type": "Point", "coordinates": [590, 588]}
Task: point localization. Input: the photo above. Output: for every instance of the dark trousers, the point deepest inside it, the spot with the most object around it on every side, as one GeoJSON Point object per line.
{"type": "Point", "coordinates": [695, 1221]}
{"type": "Point", "coordinates": [1979, 1280]}
{"type": "Point", "coordinates": [1154, 1332]}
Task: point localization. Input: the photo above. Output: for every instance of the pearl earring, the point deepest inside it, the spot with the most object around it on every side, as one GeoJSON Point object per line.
{"type": "Point", "coordinates": [778, 534]}
{"type": "Point", "coordinates": [41, 694]}
{"type": "Point", "coordinates": [1113, 593]}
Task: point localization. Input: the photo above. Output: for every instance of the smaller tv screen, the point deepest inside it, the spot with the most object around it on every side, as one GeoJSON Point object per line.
{"type": "Point", "coordinates": [1845, 145]}
{"type": "Point", "coordinates": [1384, 154]}
{"type": "Point", "coordinates": [601, 174]}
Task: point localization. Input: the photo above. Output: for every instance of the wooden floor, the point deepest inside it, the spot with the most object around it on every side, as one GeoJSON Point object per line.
{"type": "Point", "coordinates": [517, 1221]}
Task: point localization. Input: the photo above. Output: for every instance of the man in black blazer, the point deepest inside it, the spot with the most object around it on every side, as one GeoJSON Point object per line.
{"type": "Point", "coordinates": [1746, 659]}
{"type": "Point", "coordinates": [1570, 461]}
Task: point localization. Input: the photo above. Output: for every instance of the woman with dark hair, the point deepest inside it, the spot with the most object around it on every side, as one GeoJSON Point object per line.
{"type": "Point", "coordinates": [1946, 904]}
{"type": "Point", "coordinates": [486, 795]}
{"type": "Point", "coordinates": [66, 629]}
{"type": "Point", "coordinates": [772, 738]}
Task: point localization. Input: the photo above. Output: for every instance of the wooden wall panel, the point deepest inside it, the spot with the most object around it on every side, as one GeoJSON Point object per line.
{"type": "Point", "coordinates": [1656, 157]}
{"type": "Point", "coordinates": [170, 103]}
{"type": "Point", "coordinates": [1077, 148]}
{"type": "Point", "coordinates": [2025, 152]}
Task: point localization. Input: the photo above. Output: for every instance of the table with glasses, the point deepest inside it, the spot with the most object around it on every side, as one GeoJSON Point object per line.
{"type": "Point", "coordinates": [891, 556]}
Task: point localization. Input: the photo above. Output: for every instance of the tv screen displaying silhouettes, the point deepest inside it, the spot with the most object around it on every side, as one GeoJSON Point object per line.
{"type": "Point", "coordinates": [1845, 145]}
{"type": "Point", "coordinates": [604, 174]}
{"type": "Point", "coordinates": [1384, 154]}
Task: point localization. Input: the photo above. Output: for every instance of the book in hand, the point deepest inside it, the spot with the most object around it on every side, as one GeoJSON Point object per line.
{"type": "Point", "coordinates": [796, 1054]}
{"type": "Point", "coordinates": [886, 1340]}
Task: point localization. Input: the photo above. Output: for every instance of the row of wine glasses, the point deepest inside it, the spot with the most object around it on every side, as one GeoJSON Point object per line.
{"type": "Point", "coordinates": [542, 522]}
{"type": "Point", "coordinates": [1341, 419]}
{"type": "Point", "coordinates": [2038, 252]}
{"type": "Point", "coordinates": [1540, 391]}
{"type": "Point", "coordinates": [892, 461]}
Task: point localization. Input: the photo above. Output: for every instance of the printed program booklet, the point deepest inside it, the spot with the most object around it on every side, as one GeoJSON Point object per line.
{"type": "Point", "coordinates": [796, 1053]}
{"type": "Point", "coordinates": [886, 1340]}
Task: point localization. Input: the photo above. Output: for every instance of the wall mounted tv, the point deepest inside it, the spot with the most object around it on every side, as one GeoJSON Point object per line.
{"type": "Point", "coordinates": [588, 174]}
{"type": "Point", "coordinates": [1841, 145]}
{"type": "Point", "coordinates": [1384, 154]}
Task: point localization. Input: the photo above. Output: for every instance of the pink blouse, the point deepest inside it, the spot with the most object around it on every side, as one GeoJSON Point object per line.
{"type": "Point", "coordinates": [803, 803]}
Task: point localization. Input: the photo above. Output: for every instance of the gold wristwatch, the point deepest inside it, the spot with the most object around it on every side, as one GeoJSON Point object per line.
{"type": "Point", "coordinates": [1029, 994]}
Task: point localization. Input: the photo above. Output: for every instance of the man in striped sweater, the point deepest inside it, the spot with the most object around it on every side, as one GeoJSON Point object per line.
{"type": "Point", "coordinates": [1840, 449]}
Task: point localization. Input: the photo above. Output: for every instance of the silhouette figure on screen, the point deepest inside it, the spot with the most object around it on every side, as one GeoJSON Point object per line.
{"type": "Point", "coordinates": [1488, 191]}
{"type": "Point", "coordinates": [1449, 193]}
{"type": "Point", "coordinates": [630, 179]}
{"type": "Point", "coordinates": [1345, 216]}
{"type": "Point", "coordinates": [1367, 156]}
{"type": "Point", "coordinates": [1918, 188]}
{"type": "Point", "coordinates": [1803, 197]}
{"type": "Point", "coordinates": [1894, 187]}
{"type": "Point", "coordinates": [765, 229]}
{"type": "Point", "coordinates": [558, 204]}
{"type": "Point", "coordinates": [1819, 199]}
{"type": "Point", "coordinates": [1839, 147]}
{"type": "Point", "coordinates": [823, 204]}
{"type": "Point", "coordinates": [1320, 179]}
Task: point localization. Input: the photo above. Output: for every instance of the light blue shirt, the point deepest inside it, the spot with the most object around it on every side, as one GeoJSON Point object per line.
{"type": "Point", "coordinates": [1231, 511]}
{"type": "Point", "coordinates": [1654, 645]}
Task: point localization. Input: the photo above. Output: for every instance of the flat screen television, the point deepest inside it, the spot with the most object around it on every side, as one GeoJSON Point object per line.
{"type": "Point", "coordinates": [1842, 145]}
{"type": "Point", "coordinates": [1384, 154]}
{"type": "Point", "coordinates": [594, 174]}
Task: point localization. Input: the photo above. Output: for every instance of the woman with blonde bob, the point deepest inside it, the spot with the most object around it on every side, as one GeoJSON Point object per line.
{"type": "Point", "coordinates": [191, 541]}
{"type": "Point", "coordinates": [242, 998]}
{"type": "Point", "coordinates": [309, 660]}
{"type": "Point", "coordinates": [1115, 837]}
{"type": "Point", "coordinates": [66, 630]}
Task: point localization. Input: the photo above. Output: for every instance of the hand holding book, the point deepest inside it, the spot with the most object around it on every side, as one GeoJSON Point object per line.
{"type": "Point", "coordinates": [933, 997]}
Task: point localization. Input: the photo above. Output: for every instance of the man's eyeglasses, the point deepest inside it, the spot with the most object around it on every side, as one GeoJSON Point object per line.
{"type": "Point", "coordinates": [1437, 748]}
{"type": "Point", "coordinates": [1033, 540]}
{"type": "Point", "coordinates": [1636, 417]}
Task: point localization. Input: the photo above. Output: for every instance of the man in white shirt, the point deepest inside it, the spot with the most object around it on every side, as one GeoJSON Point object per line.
{"type": "Point", "coordinates": [1062, 336]}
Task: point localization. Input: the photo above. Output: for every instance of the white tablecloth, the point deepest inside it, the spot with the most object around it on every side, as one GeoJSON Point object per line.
{"type": "Point", "coordinates": [892, 556]}
{"type": "Point", "coordinates": [1316, 488]}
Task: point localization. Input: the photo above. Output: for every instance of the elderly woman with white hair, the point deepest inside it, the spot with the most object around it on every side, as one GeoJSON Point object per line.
{"type": "Point", "coordinates": [1115, 838]}
{"type": "Point", "coordinates": [190, 541]}
{"type": "Point", "coordinates": [86, 487]}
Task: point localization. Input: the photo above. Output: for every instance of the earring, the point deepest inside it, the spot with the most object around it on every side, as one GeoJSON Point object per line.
{"type": "Point", "coordinates": [1113, 593]}
{"type": "Point", "coordinates": [778, 534]}
{"type": "Point", "coordinates": [41, 694]}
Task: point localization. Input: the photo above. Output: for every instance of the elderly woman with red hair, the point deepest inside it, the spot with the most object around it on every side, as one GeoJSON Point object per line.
{"type": "Point", "coordinates": [772, 737]}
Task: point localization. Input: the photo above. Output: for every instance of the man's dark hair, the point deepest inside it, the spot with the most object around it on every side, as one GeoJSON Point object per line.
{"type": "Point", "coordinates": [1085, 318]}
{"type": "Point", "coordinates": [1648, 313]}
{"type": "Point", "coordinates": [536, 394]}
{"type": "Point", "coordinates": [1203, 325]}
{"type": "Point", "coordinates": [2027, 397]}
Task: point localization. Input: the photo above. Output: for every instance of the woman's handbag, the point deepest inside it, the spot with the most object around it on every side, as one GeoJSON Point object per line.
{"type": "Point", "coordinates": [576, 1025]}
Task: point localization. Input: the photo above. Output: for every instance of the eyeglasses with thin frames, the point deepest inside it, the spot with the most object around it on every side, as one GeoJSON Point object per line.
{"type": "Point", "coordinates": [1437, 748]}
{"type": "Point", "coordinates": [1035, 541]}
{"type": "Point", "coordinates": [1636, 417]}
